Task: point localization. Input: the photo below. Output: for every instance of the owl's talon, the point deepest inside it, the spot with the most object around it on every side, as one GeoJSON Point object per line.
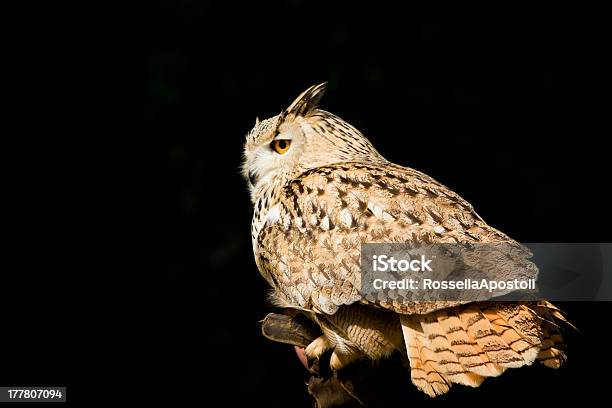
{"type": "Point", "coordinates": [338, 360]}
{"type": "Point", "coordinates": [317, 347]}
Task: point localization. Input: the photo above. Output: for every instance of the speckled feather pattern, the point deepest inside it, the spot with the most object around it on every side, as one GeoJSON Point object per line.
{"type": "Point", "coordinates": [311, 252]}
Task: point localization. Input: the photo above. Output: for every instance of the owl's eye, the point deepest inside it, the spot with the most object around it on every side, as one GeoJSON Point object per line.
{"type": "Point", "coordinates": [280, 146]}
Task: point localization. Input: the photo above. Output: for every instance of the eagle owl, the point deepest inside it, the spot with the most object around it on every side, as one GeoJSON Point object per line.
{"type": "Point", "coordinates": [319, 190]}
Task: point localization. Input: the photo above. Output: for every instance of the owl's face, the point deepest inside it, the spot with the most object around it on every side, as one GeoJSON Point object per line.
{"type": "Point", "coordinates": [298, 139]}
{"type": "Point", "coordinates": [273, 147]}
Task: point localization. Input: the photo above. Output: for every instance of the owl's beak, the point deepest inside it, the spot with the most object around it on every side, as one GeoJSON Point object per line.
{"type": "Point", "coordinates": [252, 178]}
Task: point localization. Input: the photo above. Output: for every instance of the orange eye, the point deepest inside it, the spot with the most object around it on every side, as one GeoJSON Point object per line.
{"type": "Point", "coordinates": [280, 146]}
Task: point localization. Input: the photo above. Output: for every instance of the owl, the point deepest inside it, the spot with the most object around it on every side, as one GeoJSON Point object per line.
{"type": "Point", "coordinates": [319, 190]}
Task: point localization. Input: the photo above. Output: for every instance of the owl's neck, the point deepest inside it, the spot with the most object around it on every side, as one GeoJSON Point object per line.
{"type": "Point", "coordinates": [265, 197]}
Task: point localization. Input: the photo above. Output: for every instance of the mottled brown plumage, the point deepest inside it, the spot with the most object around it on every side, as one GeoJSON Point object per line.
{"type": "Point", "coordinates": [316, 202]}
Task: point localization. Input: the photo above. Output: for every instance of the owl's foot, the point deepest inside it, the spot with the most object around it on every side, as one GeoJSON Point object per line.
{"type": "Point", "coordinates": [319, 346]}
{"type": "Point", "coordinates": [340, 360]}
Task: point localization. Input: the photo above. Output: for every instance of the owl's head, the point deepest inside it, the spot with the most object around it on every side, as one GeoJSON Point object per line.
{"type": "Point", "coordinates": [301, 138]}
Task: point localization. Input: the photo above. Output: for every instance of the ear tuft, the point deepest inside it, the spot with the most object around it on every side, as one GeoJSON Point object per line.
{"type": "Point", "coordinates": [307, 101]}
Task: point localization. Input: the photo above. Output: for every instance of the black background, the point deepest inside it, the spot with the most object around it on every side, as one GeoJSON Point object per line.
{"type": "Point", "coordinates": [502, 106]}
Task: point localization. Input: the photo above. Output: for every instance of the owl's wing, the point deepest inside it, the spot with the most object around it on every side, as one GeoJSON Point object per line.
{"type": "Point", "coordinates": [310, 249]}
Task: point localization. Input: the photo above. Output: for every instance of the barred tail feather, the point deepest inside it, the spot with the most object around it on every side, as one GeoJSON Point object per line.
{"type": "Point", "coordinates": [464, 345]}
{"type": "Point", "coordinates": [424, 369]}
